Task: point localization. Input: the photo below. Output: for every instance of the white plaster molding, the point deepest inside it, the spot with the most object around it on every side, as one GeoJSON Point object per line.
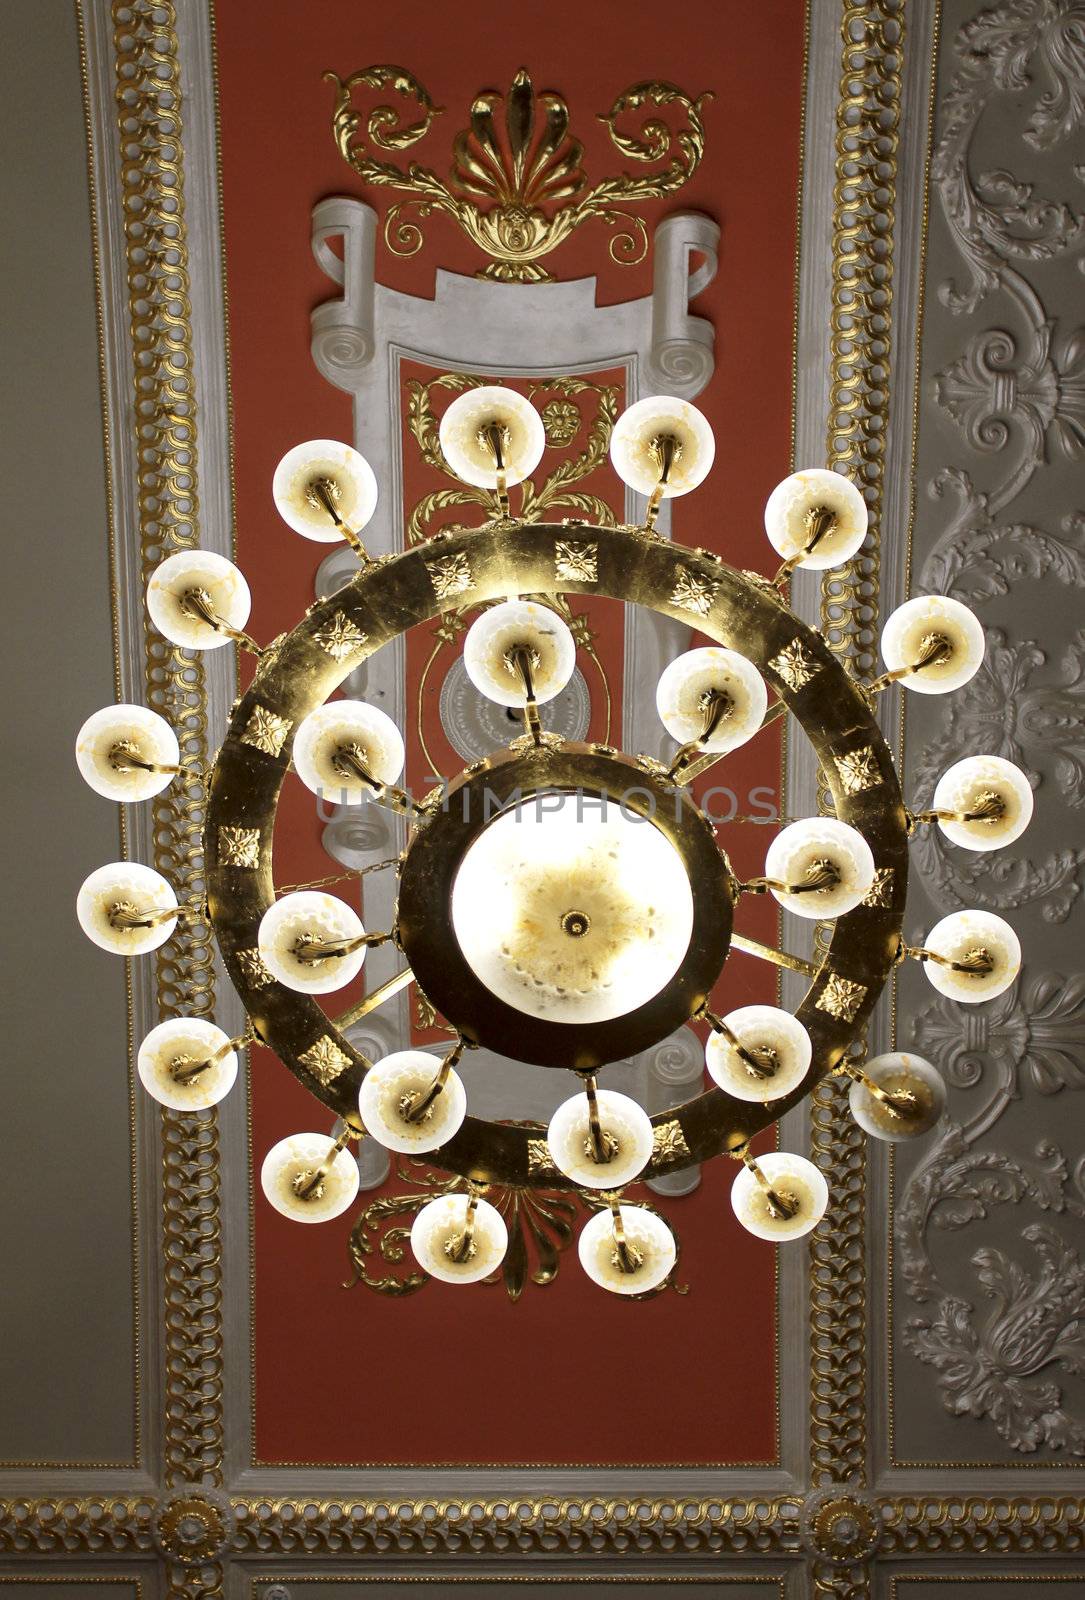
{"type": "Point", "coordinates": [682, 356]}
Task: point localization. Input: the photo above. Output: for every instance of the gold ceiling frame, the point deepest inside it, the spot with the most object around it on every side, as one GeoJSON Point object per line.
{"type": "Point", "coordinates": [188, 1519]}
{"type": "Point", "coordinates": [517, 193]}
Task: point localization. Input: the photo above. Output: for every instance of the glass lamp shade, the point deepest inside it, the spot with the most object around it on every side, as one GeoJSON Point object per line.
{"type": "Point", "coordinates": [909, 1076]}
{"type": "Point", "coordinates": [958, 936]}
{"type": "Point", "coordinates": [209, 574]}
{"type": "Point", "coordinates": [463, 434]}
{"type": "Point", "coordinates": [635, 455]}
{"type": "Point", "coordinates": [567, 909]}
{"type": "Point", "coordinates": [911, 625]}
{"type": "Point", "coordinates": [131, 887]}
{"type": "Point", "coordinates": [965, 786]}
{"type": "Point", "coordinates": [310, 916]}
{"type": "Point", "coordinates": [621, 1119]}
{"type": "Point", "coordinates": [759, 1028]}
{"type": "Point", "coordinates": [182, 1043]}
{"type": "Point", "coordinates": [348, 479]}
{"type": "Point", "coordinates": [688, 680]}
{"type": "Point", "coordinates": [794, 1179]}
{"type": "Point", "coordinates": [123, 730]}
{"type": "Point", "coordinates": [790, 510]}
{"type": "Point", "coordinates": [438, 1228]}
{"type": "Point", "coordinates": [648, 1238]}
{"type": "Point", "coordinates": [492, 639]}
{"type": "Point", "coordinates": [398, 1078]}
{"type": "Point", "coordinates": [290, 1165]}
{"type": "Point", "coordinates": [802, 847]}
{"type": "Point", "coordinates": [351, 725]}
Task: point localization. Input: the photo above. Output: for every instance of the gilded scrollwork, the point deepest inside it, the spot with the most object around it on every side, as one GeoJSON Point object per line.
{"type": "Point", "coordinates": [518, 190]}
{"type": "Point", "coordinates": [541, 1228]}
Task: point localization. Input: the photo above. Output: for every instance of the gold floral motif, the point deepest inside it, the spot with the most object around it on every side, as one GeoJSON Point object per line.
{"type": "Point", "coordinates": [325, 1060]}
{"type": "Point", "coordinates": [450, 575]}
{"type": "Point", "coordinates": [669, 1142]}
{"type": "Point", "coordinates": [266, 731]}
{"type": "Point", "coordinates": [841, 998]}
{"type": "Point", "coordinates": [558, 488]}
{"type": "Point", "coordinates": [252, 965]}
{"type": "Point", "coordinates": [880, 892]}
{"type": "Point", "coordinates": [561, 422]}
{"type": "Point", "coordinates": [340, 637]}
{"type": "Point", "coordinates": [694, 593]}
{"type": "Point", "coordinates": [795, 665]}
{"type": "Point", "coordinates": [858, 770]}
{"type": "Point", "coordinates": [518, 192]}
{"type": "Point", "coordinates": [576, 560]}
{"type": "Point", "coordinates": [539, 1158]}
{"type": "Point", "coordinates": [239, 847]}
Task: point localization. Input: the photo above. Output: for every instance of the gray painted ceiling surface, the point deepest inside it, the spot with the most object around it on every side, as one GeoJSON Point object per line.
{"type": "Point", "coordinates": [938, 1399]}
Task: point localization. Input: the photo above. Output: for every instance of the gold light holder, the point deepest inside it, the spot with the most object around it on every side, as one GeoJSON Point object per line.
{"type": "Point", "coordinates": [820, 520]}
{"type": "Point", "coordinates": [197, 603]}
{"type": "Point", "coordinates": [781, 1204]}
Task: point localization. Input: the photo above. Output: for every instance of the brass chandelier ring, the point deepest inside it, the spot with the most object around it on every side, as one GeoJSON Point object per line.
{"type": "Point", "coordinates": [473, 567]}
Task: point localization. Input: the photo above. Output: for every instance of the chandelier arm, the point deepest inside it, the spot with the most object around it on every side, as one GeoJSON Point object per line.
{"type": "Point", "coordinates": [821, 521]}
{"type": "Point", "coordinates": [901, 1105]}
{"type": "Point", "coordinates": [686, 774]}
{"type": "Point", "coordinates": [418, 1104]}
{"type": "Point", "coordinates": [375, 997]}
{"type": "Point", "coordinates": [322, 493]}
{"type": "Point", "coordinates": [186, 1074]}
{"type": "Point", "coordinates": [781, 1205]}
{"type": "Point", "coordinates": [197, 603]}
{"type": "Point", "coordinates": [628, 1257]}
{"type": "Point", "coordinates": [309, 1188]}
{"type": "Point", "coordinates": [778, 958]}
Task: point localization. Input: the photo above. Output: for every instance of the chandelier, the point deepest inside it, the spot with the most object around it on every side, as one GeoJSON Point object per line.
{"type": "Point", "coordinates": [565, 904]}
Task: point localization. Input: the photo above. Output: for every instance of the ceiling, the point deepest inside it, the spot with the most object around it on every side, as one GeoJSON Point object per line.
{"type": "Point", "coordinates": [193, 1403]}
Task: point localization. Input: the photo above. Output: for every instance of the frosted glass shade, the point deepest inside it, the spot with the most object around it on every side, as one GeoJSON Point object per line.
{"type": "Point", "coordinates": [217, 579]}
{"type": "Point", "coordinates": [350, 725]}
{"type": "Point", "coordinates": [790, 508]}
{"type": "Point", "coordinates": [352, 487]}
{"type": "Point", "coordinates": [967, 784]}
{"type": "Point", "coordinates": [290, 1164]}
{"type": "Point", "coordinates": [621, 1119]}
{"type": "Point", "coordinates": [646, 1234]}
{"type": "Point", "coordinates": [182, 1043]}
{"type": "Point", "coordinates": [576, 912]}
{"type": "Point", "coordinates": [794, 1179]}
{"type": "Point", "coordinates": [758, 1028]}
{"type": "Point", "coordinates": [310, 916]}
{"type": "Point", "coordinates": [800, 847]}
{"type": "Point", "coordinates": [688, 680]}
{"type": "Point", "coordinates": [956, 937]}
{"type": "Point", "coordinates": [144, 736]}
{"type": "Point", "coordinates": [912, 624]}
{"type": "Point", "coordinates": [492, 638]}
{"type": "Point", "coordinates": [396, 1078]}
{"type": "Point", "coordinates": [440, 1225]}
{"type": "Point", "coordinates": [134, 888]}
{"type": "Point", "coordinates": [900, 1073]}
{"type": "Point", "coordinates": [463, 430]}
{"type": "Point", "coordinates": [635, 459]}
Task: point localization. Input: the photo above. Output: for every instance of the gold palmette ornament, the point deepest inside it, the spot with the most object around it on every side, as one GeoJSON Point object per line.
{"type": "Point", "coordinates": [564, 904]}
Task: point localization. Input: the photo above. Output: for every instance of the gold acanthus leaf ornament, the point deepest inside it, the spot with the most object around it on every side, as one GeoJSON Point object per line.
{"type": "Point", "coordinates": [515, 187]}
